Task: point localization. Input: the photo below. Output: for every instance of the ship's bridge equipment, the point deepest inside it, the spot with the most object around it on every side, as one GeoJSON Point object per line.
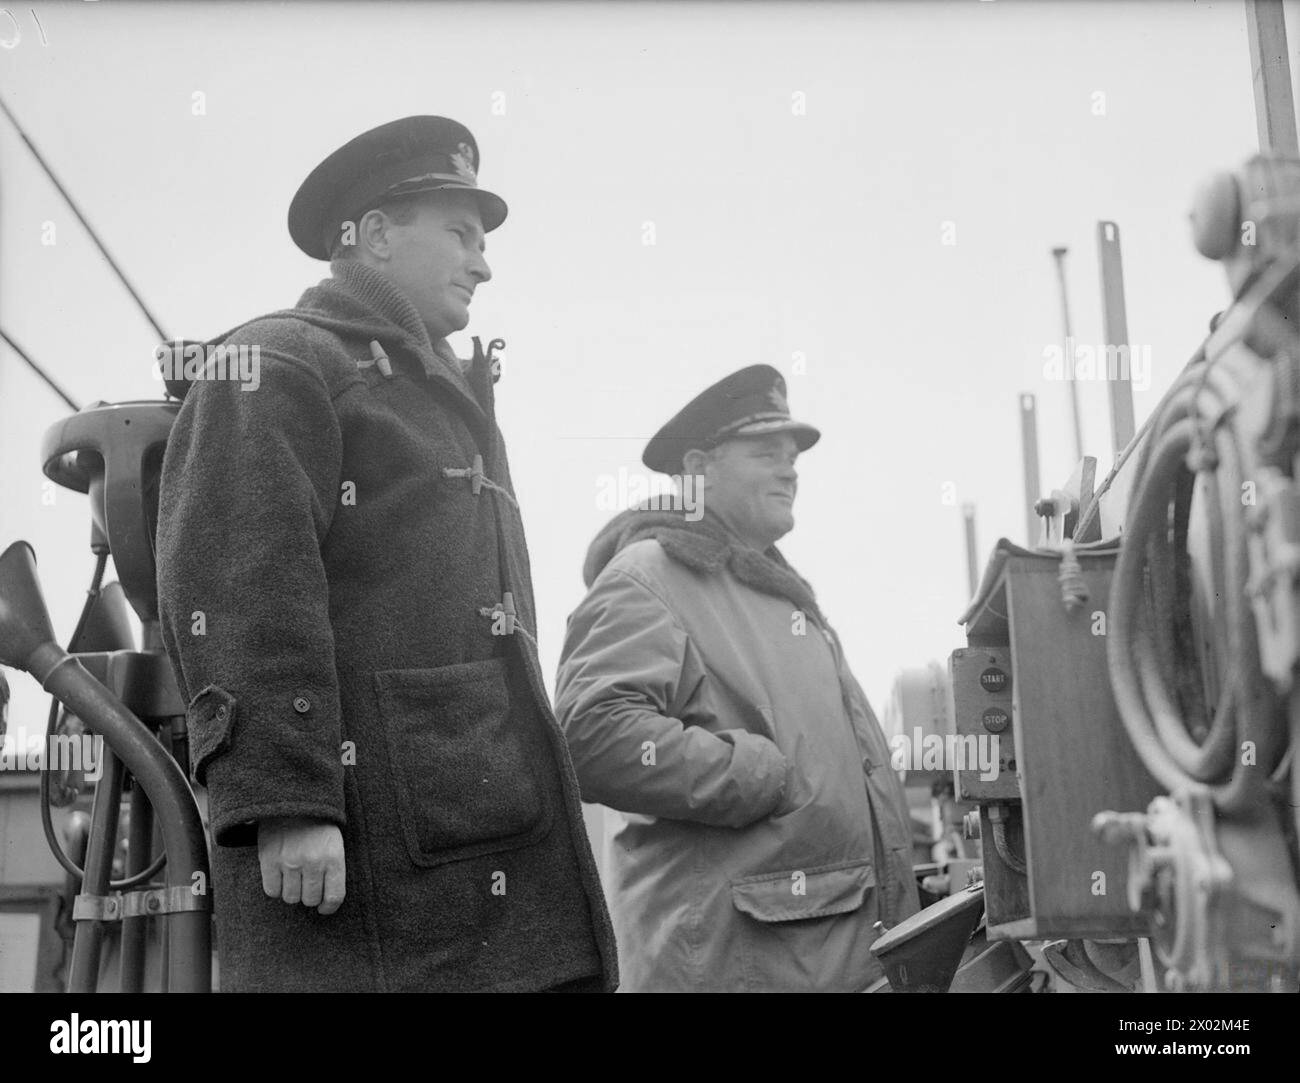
{"type": "Point", "coordinates": [128, 697]}
{"type": "Point", "coordinates": [1032, 686]}
{"type": "Point", "coordinates": [1145, 683]}
{"type": "Point", "coordinates": [1204, 613]}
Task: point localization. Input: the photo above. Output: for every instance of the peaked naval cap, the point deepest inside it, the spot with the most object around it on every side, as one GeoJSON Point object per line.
{"type": "Point", "coordinates": [750, 402]}
{"type": "Point", "coordinates": [402, 157]}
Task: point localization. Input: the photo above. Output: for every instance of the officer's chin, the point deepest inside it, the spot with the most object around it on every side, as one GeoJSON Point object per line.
{"type": "Point", "coordinates": [454, 314]}
{"type": "Point", "coordinates": [782, 523]}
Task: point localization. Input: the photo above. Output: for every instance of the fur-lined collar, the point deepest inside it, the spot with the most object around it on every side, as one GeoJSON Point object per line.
{"type": "Point", "coordinates": [705, 546]}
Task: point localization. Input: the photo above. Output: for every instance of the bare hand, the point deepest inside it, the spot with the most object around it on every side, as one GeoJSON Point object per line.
{"type": "Point", "coordinates": [302, 862]}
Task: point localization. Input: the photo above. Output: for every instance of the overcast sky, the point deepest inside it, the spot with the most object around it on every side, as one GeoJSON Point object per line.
{"type": "Point", "coordinates": [799, 168]}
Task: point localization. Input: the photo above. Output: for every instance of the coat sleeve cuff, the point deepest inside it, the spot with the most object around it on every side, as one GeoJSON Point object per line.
{"type": "Point", "coordinates": [266, 758]}
{"type": "Point", "coordinates": [237, 826]}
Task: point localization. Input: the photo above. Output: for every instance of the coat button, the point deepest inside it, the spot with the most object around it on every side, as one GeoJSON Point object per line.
{"type": "Point", "coordinates": [867, 765]}
{"type": "Point", "coordinates": [301, 704]}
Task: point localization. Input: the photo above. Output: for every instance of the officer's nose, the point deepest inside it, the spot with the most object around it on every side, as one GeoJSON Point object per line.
{"type": "Point", "coordinates": [479, 267]}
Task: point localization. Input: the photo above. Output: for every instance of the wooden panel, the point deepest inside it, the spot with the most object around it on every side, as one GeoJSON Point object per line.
{"type": "Point", "coordinates": [1006, 892]}
{"type": "Point", "coordinates": [1074, 758]}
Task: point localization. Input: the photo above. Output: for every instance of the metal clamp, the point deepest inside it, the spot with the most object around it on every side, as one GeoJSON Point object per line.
{"type": "Point", "coordinates": [137, 904]}
{"type": "Point", "coordinates": [494, 362]}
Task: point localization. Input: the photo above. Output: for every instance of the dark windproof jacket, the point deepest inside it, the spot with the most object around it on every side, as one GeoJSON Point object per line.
{"type": "Point", "coordinates": [760, 832]}
{"type": "Point", "coordinates": [335, 550]}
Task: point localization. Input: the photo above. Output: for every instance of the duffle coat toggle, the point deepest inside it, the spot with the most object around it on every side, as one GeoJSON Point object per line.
{"type": "Point", "coordinates": [478, 479]}
{"type": "Point", "coordinates": [378, 359]}
{"type": "Point", "coordinates": [505, 617]}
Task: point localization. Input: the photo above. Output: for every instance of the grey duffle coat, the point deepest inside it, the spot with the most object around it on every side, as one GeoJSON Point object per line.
{"type": "Point", "coordinates": [332, 572]}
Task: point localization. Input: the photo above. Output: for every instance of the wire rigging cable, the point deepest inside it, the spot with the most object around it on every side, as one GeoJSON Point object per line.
{"type": "Point", "coordinates": [49, 172]}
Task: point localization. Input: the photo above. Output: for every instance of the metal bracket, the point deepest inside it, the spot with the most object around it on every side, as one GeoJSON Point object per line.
{"type": "Point", "coordinates": [1054, 510]}
{"type": "Point", "coordinates": [1177, 870]}
{"type": "Point", "coordinates": [137, 904]}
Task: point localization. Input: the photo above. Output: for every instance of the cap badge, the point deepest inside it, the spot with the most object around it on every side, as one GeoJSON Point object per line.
{"type": "Point", "coordinates": [777, 400]}
{"type": "Point", "coordinates": [463, 162]}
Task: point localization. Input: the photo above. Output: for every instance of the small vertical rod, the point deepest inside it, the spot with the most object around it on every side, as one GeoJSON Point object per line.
{"type": "Point", "coordinates": [972, 567]}
{"type": "Point", "coordinates": [1059, 255]}
{"type": "Point", "coordinates": [83, 972]}
{"type": "Point", "coordinates": [1029, 450]}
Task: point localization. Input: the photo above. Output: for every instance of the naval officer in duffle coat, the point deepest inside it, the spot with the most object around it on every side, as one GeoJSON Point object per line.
{"type": "Point", "coordinates": [345, 596]}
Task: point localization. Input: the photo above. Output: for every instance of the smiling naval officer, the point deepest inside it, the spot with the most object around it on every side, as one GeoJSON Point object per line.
{"type": "Point", "coordinates": [760, 833]}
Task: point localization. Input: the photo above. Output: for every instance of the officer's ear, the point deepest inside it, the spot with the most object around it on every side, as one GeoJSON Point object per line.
{"type": "Point", "coordinates": [695, 460]}
{"type": "Point", "coordinates": [373, 234]}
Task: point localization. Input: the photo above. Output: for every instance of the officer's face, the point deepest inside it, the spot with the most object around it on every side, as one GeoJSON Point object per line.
{"type": "Point", "coordinates": [751, 483]}
{"type": "Point", "coordinates": [437, 261]}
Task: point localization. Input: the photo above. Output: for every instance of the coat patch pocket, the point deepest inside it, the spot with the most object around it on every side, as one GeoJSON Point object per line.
{"type": "Point", "coordinates": [464, 781]}
{"type": "Point", "coordinates": [807, 929]}
{"type": "Point", "coordinates": [799, 894]}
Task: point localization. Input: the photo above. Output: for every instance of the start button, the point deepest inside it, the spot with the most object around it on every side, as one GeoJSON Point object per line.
{"type": "Point", "coordinates": [995, 680]}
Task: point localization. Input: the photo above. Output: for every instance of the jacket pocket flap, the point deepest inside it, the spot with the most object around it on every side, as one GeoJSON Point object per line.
{"type": "Point", "coordinates": [209, 718]}
{"type": "Point", "coordinates": [799, 894]}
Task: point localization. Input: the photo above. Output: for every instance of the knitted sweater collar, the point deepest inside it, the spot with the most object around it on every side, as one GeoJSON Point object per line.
{"type": "Point", "coordinates": [379, 294]}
